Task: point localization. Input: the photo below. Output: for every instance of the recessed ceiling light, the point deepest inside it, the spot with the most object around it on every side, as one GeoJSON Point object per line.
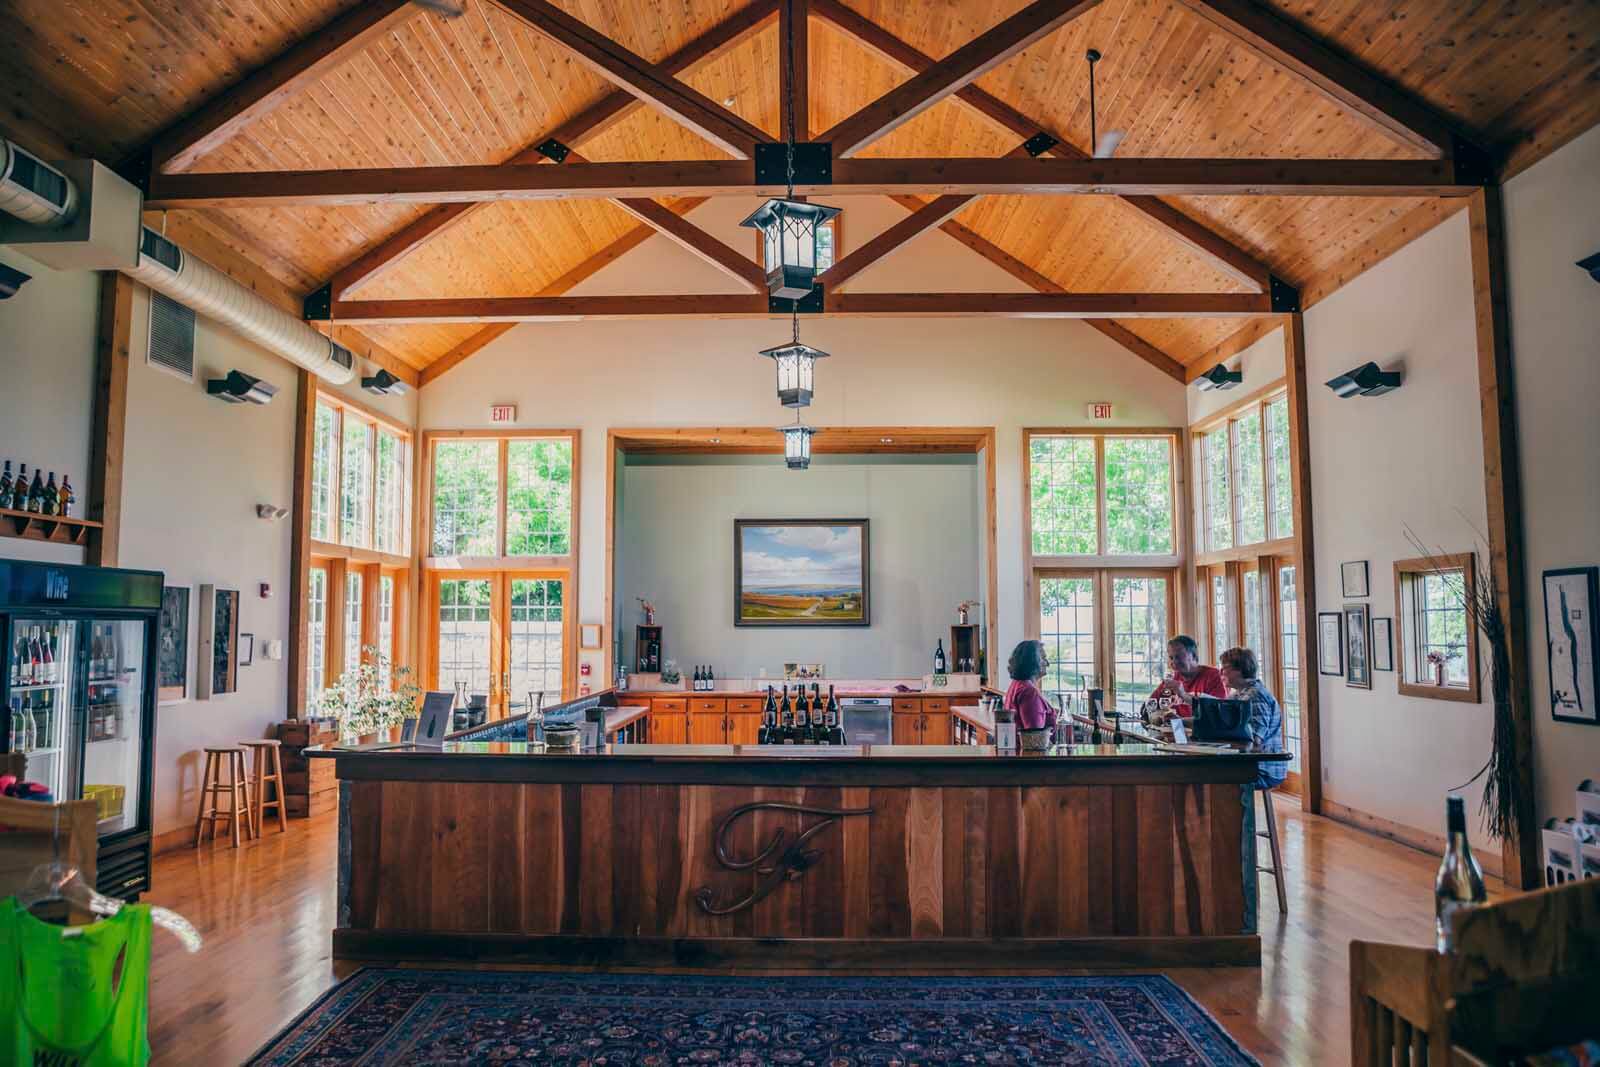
{"type": "Point", "coordinates": [727, 101]}
{"type": "Point", "coordinates": [886, 440]}
{"type": "Point", "coordinates": [716, 440]}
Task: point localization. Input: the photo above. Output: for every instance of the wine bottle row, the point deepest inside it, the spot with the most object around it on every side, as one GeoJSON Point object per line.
{"type": "Point", "coordinates": [705, 680]}
{"type": "Point", "coordinates": [36, 656]}
{"type": "Point", "coordinates": [33, 721]}
{"type": "Point", "coordinates": [41, 496]}
{"type": "Point", "coordinates": [803, 720]}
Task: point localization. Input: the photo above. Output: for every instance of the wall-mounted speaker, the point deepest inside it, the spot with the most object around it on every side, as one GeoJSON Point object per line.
{"type": "Point", "coordinates": [1592, 265]}
{"type": "Point", "coordinates": [1366, 380]}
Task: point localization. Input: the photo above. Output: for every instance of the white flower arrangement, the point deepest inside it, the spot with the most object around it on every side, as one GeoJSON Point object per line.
{"type": "Point", "coordinates": [364, 702]}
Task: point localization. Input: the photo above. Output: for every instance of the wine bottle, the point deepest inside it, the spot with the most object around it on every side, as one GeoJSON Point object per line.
{"type": "Point", "coordinates": [835, 720]}
{"type": "Point", "coordinates": [769, 720]}
{"type": "Point", "coordinates": [5, 486]}
{"type": "Point", "coordinates": [819, 717]}
{"type": "Point", "coordinates": [68, 497]}
{"type": "Point", "coordinates": [939, 663]}
{"type": "Point", "coordinates": [786, 730]}
{"type": "Point", "coordinates": [711, 679]}
{"type": "Point", "coordinates": [51, 642]}
{"type": "Point", "coordinates": [19, 489]}
{"type": "Point", "coordinates": [36, 493]}
{"type": "Point", "coordinates": [35, 659]}
{"type": "Point", "coordinates": [1459, 883]}
{"type": "Point", "coordinates": [52, 497]}
{"type": "Point", "coordinates": [802, 719]}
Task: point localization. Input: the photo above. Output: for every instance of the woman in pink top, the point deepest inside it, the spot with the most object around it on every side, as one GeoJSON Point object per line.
{"type": "Point", "coordinates": [1027, 665]}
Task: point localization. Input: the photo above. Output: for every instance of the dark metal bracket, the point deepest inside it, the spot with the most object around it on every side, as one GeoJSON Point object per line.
{"type": "Point", "coordinates": [1039, 144]}
{"type": "Point", "coordinates": [554, 150]}
{"type": "Point", "coordinates": [1285, 297]}
{"type": "Point", "coordinates": [136, 169]}
{"type": "Point", "coordinates": [810, 304]}
{"type": "Point", "coordinates": [318, 304]}
{"type": "Point", "coordinates": [1473, 165]}
{"type": "Point", "coordinates": [813, 163]}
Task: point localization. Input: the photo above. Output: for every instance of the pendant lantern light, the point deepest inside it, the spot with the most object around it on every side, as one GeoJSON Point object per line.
{"type": "Point", "coordinates": [797, 444]}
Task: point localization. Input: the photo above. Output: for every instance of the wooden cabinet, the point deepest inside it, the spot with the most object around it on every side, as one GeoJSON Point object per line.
{"type": "Point", "coordinates": [936, 729]}
{"type": "Point", "coordinates": [669, 723]}
{"type": "Point", "coordinates": [922, 721]}
{"type": "Point", "coordinates": [708, 721]}
{"type": "Point", "coordinates": [907, 726]}
{"type": "Point", "coordinates": [744, 728]}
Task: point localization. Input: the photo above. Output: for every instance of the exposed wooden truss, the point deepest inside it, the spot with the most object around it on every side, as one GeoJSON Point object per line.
{"type": "Point", "coordinates": [717, 305]}
{"type": "Point", "coordinates": [851, 177]}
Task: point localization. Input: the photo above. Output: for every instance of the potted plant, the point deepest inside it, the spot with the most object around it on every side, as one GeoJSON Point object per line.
{"type": "Point", "coordinates": [1436, 662]}
{"type": "Point", "coordinates": [370, 697]}
{"type": "Point", "coordinates": [649, 610]}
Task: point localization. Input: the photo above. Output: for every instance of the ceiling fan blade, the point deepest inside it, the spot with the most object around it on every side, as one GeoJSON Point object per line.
{"type": "Point", "coordinates": [444, 7]}
{"type": "Point", "coordinates": [1107, 146]}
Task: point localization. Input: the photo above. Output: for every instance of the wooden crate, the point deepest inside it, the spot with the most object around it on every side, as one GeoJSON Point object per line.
{"type": "Point", "coordinates": [309, 785]}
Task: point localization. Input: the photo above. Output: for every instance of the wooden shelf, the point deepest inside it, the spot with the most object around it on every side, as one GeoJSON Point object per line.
{"type": "Point", "coordinates": [61, 529]}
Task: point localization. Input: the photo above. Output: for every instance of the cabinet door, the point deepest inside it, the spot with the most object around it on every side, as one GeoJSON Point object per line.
{"type": "Point", "coordinates": [907, 728]}
{"type": "Point", "coordinates": [668, 728]}
{"type": "Point", "coordinates": [744, 728]}
{"type": "Point", "coordinates": [936, 729]}
{"type": "Point", "coordinates": [707, 728]}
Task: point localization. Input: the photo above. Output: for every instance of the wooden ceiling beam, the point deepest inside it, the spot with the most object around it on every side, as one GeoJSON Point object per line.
{"type": "Point", "coordinates": [1365, 95]}
{"type": "Point", "coordinates": [972, 60]}
{"type": "Point", "coordinates": [583, 271]}
{"type": "Point", "coordinates": [934, 213]}
{"type": "Point", "coordinates": [184, 143]}
{"type": "Point", "coordinates": [794, 65]}
{"type": "Point", "coordinates": [719, 305]}
{"type": "Point", "coordinates": [645, 80]}
{"type": "Point", "coordinates": [1223, 254]}
{"type": "Point", "coordinates": [851, 177]}
{"type": "Point", "coordinates": [587, 124]}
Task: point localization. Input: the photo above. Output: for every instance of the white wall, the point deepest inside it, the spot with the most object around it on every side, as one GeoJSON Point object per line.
{"type": "Point", "coordinates": [1262, 364]}
{"type": "Point", "coordinates": [1553, 220]}
{"type": "Point", "coordinates": [1007, 374]}
{"type": "Point", "coordinates": [676, 549]}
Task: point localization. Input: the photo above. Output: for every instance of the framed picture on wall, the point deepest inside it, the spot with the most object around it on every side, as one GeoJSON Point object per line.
{"type": "Point", "coordinates": [1572, 643]}
{"type": "Point", "coordinates": [589, 635]}
{"type": "Point", "coordinates": [1330, 643]}
{"type": "Point", "coordinates": [801, 572]}
{"type": "Point", "coordinates": [172, 651]}
{"type": "Point", "coordinates": [1358, 646]}
{"type": "Point", "coordinates": [1383, 644]}
{"type": "Point", "coordinates": [1353, 577]}
{"type": "Point", "coordinates": [247, 649]}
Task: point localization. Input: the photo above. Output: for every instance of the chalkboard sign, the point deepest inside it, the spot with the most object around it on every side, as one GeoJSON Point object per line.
{"type": "Point", "coordinates": [172, 653]}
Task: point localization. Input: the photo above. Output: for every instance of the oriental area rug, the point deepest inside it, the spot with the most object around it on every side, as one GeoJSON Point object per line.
{"type": "Point", "coordinates": [415, 1017]}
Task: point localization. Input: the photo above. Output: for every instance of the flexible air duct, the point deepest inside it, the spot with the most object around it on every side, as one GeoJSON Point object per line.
{"type": "Point", "coordinates": [40, 194]}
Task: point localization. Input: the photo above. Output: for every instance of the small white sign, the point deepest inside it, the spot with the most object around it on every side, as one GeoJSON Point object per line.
{"type": "Point", "coordinates": [1100, 412]}
{"type": "Point", "coordinates": [504, 413]}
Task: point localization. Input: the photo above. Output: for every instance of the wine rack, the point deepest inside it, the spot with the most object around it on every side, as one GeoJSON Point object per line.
{"type": "Point", "coordinates": [62, 529]}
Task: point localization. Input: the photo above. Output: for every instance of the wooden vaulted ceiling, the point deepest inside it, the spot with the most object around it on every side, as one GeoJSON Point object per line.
{"type": "Point", "coordinates": [106, 79]}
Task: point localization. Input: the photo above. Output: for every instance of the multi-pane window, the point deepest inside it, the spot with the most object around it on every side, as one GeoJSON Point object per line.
{"type": "Point", "coordinates": [1289, 643]}
{"type": "Point", "coordinates": [464, 633]}
{"type": "Point", "coordinates": [1249, 478]}
{"type": "Point", "coordinates": [386, 625]}
{"type": "Point", "coordinates": [352, 619]}
{"type": "Point", "coordinates": [1222, 637]}
{"type": "Point", "coordinates": [1441, 615]}
{"type": "Point", "coordinates": [316, 633]}
{"type": "Point", "coordinates": [324, 458]}
{"type": "Point", "coordinates": [1139, 616]}
{"type": "Point", "coordinates": [389, 490]}
{"type": "Point", "coordinates": [1067, 614]}
{"type": "Point", "coordinates": [355, 484]}
{"type": "Point", "coordinates": [1438, 641]}
{"type": "Point", "coordinates": [1138, 476]}
{"type": "Point", "coordinates": [1251, 610]}
{"type": "Point", "coordinates": [539, 497]}
{"type": "Point", "coordinates": [536, 637]}
{"type": "Point", "coordinates": [1066, 501]}
{"type": "Point", "coordinates": [1280, 483]}
{"type": "Point", "coordinates": [1217, 492]}
{"type": "Point", "coordinates": [466, 476]}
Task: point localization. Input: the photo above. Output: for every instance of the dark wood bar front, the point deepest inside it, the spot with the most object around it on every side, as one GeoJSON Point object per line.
{"type": "Point", "coordinates": [918, 857]}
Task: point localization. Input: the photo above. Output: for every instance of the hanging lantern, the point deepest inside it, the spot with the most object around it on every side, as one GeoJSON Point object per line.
{"type": "Point", "coordinates": [797, 372]}
{"type": "Point", "coordinates": [789, 231]}
{"type": "Point", "coordinates": [796, 445]}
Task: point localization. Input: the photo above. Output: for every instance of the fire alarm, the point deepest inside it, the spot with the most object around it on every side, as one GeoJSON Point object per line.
{"type": "Point", "coordinates": [583, 690]}
{"type": "Point", "coordinates": [584, 669]}
{"type": "Point", "coordinates": [266, 590]}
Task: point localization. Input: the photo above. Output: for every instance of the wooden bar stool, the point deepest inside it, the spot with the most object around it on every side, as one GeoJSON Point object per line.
{"type": "Point", "coordinates": [1271, 834]}
{"type": "Point", "coordinates": [234, 794]}
{"type": "Point", "coordinates": [266, 766]}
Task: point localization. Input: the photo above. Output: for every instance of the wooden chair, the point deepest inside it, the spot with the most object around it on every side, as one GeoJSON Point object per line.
{"type": "Point", "coordinates": [235, 792]}
{"type": "Point", "coordinates": [1273, 847]}
{"type": "Point", "coordinates": [1521, 980]}
{"type": "Point", "coordinates": [266, 768]}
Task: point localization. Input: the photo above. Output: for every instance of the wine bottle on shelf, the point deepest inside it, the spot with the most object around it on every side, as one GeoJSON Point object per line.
{"type": "Point", "coordinates": [68, 497]}
{"type": "Point", "coordinates": [19, 489]}
{"type": "Point", "coordinates": [769, 720]}
{"type": "Point", "coordinates": [1459, 883]}
{"type": "Point", "coordinates": [939, 663]}
{"type": "Point", "coordinates": [786, 730]}
{"type": "Point", "coordinates": [35, 659]}
{"type": "Point", "coordinates": [52, 497]}
{"type": "Point", "coordinates": [5, 486]}
{"type": "Point", "coordinates": [36, 493]}
{"type": "Point", "coordinates": [835, 720]}
{"type": "Point", "coordinates": [50, 643]}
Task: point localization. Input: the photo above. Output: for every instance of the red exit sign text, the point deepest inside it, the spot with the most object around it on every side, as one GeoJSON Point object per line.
{"type": "Point", "coordinates": [1099, 412]}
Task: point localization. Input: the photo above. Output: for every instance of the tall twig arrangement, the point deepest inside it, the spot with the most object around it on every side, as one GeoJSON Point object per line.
{"type": "Point", "coordinates": [1501, 786]}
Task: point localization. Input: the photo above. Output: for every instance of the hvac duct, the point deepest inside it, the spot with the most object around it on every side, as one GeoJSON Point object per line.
{"type": "Point", "coordinates": [53, 203]}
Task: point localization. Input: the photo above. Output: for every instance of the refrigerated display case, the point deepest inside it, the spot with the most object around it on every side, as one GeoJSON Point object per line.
{"type": "Point", "coordinates": [79, 686]}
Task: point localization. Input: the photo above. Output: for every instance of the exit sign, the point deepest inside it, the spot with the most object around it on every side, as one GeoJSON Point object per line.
{"type": "Point", "coordinates": [1100, 412]}
{"type": "Point", "coordinates": [503, 413]}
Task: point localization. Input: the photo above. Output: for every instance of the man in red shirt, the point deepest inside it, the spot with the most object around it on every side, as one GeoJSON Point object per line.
{"type": "Point", "coordinates": [1183, 656]}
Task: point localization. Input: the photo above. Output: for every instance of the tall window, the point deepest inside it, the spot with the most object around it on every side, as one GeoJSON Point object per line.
{"type": "Point", "coordinates": [1250, 585]}
{"type": "Point", "coordinates": [463, 633]}
{"type": "Point", "coordinates": [1280, 482]}
{"type": "Point", "coordinates": [324, 444]}
{"type": "Point", "coordinates": [358, 480]}
{"type": "Point", "coordinates": [1138, 478]}
{"type": "Point", "coordinates": [539, 497]}
{"type": "Point", "coordinates": [1066, 501]}
{"type": "Point", "coordinates": [536, 638]}
{"type": "Point", "coordinates": [1438, 642]}
{"type": "Point", "coordinates": [1140, 618]}
{"type": "Point", "coordinates": [1289, 671]}
{"type": "Point", "coordinates": [1067, 629]}
{"type": "Point", "coordinates": [466, 476]}
{"type": "Point", "coordinates": [386, 623]}
{"type": "Point", "coordinates": [316, 634]}
{"type": "Point", "coordinates": [1101, 495]}
{"type": "Point", "coordinates": [1249, 478]}
{"type": "Point", "coordinates": [352, 619]}
{"type": "Point", "coordinates": [355, 484]}
{"type": "Point", "coordinates": [1222, 637]}
{"type": "Point", "coordinates": [389, 510]}
{"type": "Point", "coordinates": [1217, 491]}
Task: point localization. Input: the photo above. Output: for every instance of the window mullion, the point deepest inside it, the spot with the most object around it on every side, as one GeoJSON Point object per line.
{"type": "Point", "coordinates": [502, 498]}
{"type": "Point", "coordinates": [1100, 493]}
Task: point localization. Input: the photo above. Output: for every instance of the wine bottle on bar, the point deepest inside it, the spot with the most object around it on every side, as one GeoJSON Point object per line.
{"type": "Point", "coordinates": [802, 717]}
{"type": "Point", "coordinates": [769, 720]}
{"type": "Point", "coordinates": [819, 722]}
{"type": "Point", "coordinates": [1459, 883]}
{"type": "Point", "coordinates": [835, 720]}
{"type": "Point", "coordinates": [786, 729]}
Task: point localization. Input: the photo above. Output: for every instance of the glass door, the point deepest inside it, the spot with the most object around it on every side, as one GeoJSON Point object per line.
{"type": "Point", "coordinates": [467, 641]}
{"type": "Point", "coordinates": [1068, 614]}
{"type": "Point", "coordinates": [39, 686]}
{"type": "Point", "coordinates": [535, 639]}
{"type": "Point", "coordinates": [1142, 623]}
{"type": "Point", "coordinates": [505, 634]}
{"type": "Point", "coordinates": [111, 722]}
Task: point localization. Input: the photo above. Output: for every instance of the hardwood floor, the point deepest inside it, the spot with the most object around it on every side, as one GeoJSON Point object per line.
{"type": "Point", "coordinates": [266, 911]}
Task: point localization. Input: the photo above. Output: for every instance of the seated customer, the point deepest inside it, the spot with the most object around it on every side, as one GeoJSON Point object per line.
{"type": "Point", "coordinates": [1026, 667]}
{"type": "Point", "coordinates": [1188, 675]}
{"type": "Point", "coordinates": [1266, 718]}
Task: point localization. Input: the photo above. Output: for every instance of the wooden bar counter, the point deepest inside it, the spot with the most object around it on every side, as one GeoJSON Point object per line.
{"type": "Point", "coordinates": [920, 857]}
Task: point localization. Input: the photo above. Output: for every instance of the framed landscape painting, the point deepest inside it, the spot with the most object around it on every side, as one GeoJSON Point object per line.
{"type": "Point", "coordinates": [801, 572]}
{"type": "Point", "coordinates": [1572, 643]}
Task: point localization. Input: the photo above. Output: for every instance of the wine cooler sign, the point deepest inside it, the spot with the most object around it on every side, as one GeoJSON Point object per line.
{"type": "Point", "coordinates": [55, 585]}
{"type": "Point", "coordinates": [775, 864]}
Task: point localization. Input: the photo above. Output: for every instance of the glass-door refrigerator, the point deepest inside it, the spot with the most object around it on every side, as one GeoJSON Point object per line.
{"type": "Point", "coordinates": [79, 688]}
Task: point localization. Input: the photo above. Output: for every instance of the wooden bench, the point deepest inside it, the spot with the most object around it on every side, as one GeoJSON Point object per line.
{"type": "Point", "coordinates": [1521, 980]}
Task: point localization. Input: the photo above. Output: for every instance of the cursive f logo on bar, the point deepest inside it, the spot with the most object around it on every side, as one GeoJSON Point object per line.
{"type": "Point", "coordinates": [790, 864]}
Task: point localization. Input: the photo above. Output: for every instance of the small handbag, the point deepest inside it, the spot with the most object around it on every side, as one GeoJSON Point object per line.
{"type": "Point", "coordinates": [1222, 720]}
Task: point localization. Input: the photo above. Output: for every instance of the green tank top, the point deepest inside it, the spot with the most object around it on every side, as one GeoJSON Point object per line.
{"type": "Point", "coordinates": [62, 1001]}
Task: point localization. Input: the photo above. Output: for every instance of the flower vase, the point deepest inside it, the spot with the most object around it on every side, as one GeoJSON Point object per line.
{"type": "Point", "coordinates": [367, 739]}
{"type": "Point", "coordinates": [394, 733]}
{"type": "Point", "coordinates": [1438, 674]}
